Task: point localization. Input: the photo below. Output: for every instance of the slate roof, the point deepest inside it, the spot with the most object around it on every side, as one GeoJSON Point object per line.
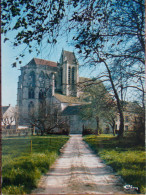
{"type": "Point", "coordinates": [70, 56]}
{"type": "Point", "coordinates": [9, 111]}
{"type": "Point", "coordinates": [4, 109]}
{"type": "Point", "coordinates": [68, 99]}
{"type": "Point", "coordinates": [83, 79]}
{"type": "Point", "coordinates": [72, 110]}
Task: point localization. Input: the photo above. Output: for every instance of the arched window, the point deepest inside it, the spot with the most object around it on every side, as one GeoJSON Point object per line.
{"type": "Point", "coordinates": [73, 75]}
{"type": "Point", "coordinates": [31, 79]}
{"type": "Point", "coordinates": [31, 108]}
{"type": "Point", "coordinates": [42, 94]}
{"type": "Point", "coordinates": [47, 80]}
{"type": "Point", "coordinates": [31, 93]}
{"type": "Point", "coordinates": [42, 79]}
{"type": "Point", "coordinates": [69, 70]}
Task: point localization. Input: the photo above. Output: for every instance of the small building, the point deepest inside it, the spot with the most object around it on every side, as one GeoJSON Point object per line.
{"type": "Point", "coordinates": [133, 114]}
{"type": "Point", "coordinates": [9, 117]}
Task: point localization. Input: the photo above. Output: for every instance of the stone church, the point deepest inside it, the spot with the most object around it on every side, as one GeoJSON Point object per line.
{"type": "Point", "coordinates": [58, 82]}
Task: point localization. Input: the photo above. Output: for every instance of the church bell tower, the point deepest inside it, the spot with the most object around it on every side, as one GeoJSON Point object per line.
{"type": "Point", "coordinates": [68, 74]}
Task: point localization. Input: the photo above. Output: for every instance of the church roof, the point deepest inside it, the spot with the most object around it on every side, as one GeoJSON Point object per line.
{"type": "Point", "coordinates": [68, 99]}
{"type": "Point", "coordinates": [83, 79]}
{"type": "Point", "coordinates": [70, 57]}
{"type": "Point", "coordinates": [72, 110]}
{"type": "Point", "coordinates": [38, 61]}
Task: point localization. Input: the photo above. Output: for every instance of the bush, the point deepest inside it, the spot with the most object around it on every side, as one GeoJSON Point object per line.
{"type": "Point", "coordinates": [63, 132]}
{"type": "Point", "coordinates": [13, 190]}
{"type": "Point", "coordinates": [88, 132]}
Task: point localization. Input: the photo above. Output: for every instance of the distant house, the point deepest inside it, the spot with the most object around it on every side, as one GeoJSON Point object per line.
{"type": "Point", "coordinates": [133, 115]}
{"type": "Point", "coordinates": [9, 117]}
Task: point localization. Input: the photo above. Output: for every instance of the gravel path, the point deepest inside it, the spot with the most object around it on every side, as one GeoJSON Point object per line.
{"type": "Point", "coordinates": [79, 171]}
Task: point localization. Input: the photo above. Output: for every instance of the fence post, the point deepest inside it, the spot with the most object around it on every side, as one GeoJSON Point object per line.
{"type": "Point", "coordinates": [50, 140]}
{"type": "Point", "coordinates": [30, 146]}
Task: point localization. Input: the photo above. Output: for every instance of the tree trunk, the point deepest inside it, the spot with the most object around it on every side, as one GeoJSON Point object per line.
{"type": "Point", "coordinates": [113, 128]}
{"type": "Point", "coordinates": [121, 129]}
{"type": "Point", "coordinates": [97, 128]}
{"type": "Point", "coordinates": [42, 132]}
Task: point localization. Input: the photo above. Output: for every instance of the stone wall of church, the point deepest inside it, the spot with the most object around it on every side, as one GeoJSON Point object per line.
{"type": "Point", "coordinates": [33, 83]}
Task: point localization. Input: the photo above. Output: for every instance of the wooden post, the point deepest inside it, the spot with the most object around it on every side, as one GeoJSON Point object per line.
{"type": "Point", "coordinates": [30, 146]}
{"type": "Point", "coordinates": [33, 129]}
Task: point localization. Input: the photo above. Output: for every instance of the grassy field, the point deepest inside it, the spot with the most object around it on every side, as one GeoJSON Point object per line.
{"type": "Point", "coordinates": [24, 159]}
{"type": "Point", "coordinates": [124, 156]}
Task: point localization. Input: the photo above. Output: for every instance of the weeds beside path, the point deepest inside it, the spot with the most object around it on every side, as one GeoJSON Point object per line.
{"type": "Point", "coordinates": [24, 159]}
{"type": "Point", "coordinates": [124, 156]}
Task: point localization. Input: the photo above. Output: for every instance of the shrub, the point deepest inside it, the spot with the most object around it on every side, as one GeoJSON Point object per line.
{"type": "Point", "coordinates": [88, 132]}
{"type": "Point", "coordinates": [13, 190]}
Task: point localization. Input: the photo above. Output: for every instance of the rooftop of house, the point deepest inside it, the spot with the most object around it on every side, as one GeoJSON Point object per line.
{"type": "Point", "coordinates": [72, 110]}
{"type": "Point", "coordinates": [83, 79]}
{"type": "Point", "coordinates": [69, 99]}
{"type": "Point", "coordinates": [4, 109]}
{"type": "Point", "coordinates": [8, 111]}
{"type": "Point", "coordinates": [86, 82]}
{"type": "Point", "coordinates": [132, 107]}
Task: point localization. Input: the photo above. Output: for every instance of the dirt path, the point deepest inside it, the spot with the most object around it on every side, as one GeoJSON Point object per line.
{"type": "Point", "coordinates": [79, 171]}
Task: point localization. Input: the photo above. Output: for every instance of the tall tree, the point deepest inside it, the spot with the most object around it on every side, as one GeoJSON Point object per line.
{"type": "Point", "coordinates": [111, 31]}
{"type": "Point", "coordinates": [101, 107]}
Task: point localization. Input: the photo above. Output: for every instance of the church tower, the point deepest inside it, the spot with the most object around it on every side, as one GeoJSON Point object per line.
{"type": "Point", "coordinates": [68, 74]}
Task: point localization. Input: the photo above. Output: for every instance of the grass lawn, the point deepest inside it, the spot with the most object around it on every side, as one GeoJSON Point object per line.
{"type": "Point", "coordinates": [124, 156]}
{"type": "Point", "coordinates": [22, 165]}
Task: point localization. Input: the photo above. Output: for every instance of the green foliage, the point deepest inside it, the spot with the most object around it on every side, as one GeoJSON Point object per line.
{"type": "Point", "coordinates": [13, 190]}
{"type": "Point", "coordinates": [101, 107]}
{"type": "Point", "coordinates": [22, 168]}
{"type": "Point", "coordinates": [123, 155]}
